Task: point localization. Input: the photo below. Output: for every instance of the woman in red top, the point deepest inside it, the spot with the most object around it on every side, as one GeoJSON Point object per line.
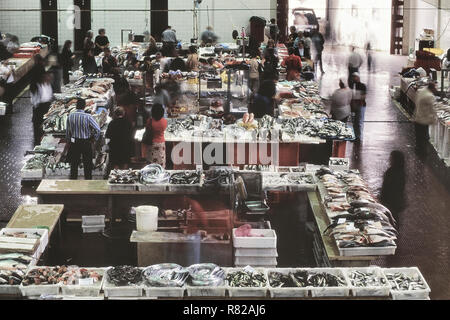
{"type": "Point", "coordinates": [293, 65]}
{"type": "Point", "coordinates": [158, 125]}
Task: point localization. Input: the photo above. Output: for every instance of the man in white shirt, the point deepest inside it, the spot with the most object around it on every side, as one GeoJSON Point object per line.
{"type": "Point", "coordinates": [169, 36]}
{"type": "Point", "coordinates": [424, 115]}
{"type": "Point", "coordinates": [354, 62]}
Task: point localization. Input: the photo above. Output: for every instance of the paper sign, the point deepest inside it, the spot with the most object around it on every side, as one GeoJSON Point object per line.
{"type": "Point", "coordinates": [341, 220]}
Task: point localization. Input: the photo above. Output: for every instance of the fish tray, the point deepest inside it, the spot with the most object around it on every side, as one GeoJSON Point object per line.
{"type": "Point", "coordinates": [422, 294]}
{"type": "Point", "coordinates": [255, 252]}
{"type": "Point", "coordinates": [302, 187]}
{"type": "Point", "coordinates": [152, 187]}
{"type": "Point", "coordinates": [32, 174]}
{"type": "Point", "coordinates": [43, 241]}
{"type": "Point", "coordinates": [367, 251]}
{"type": "Point", "coordinates": [296, 292]}
{"type": "Point", "coordinates": [196, 187]}
{"type": "Point", "coordinates": [345, 167]}
{"type": "Point", "coordinates": [111, 290]}
{"type": "Point", "coordinates": [37, 290]}
{"type": "Point", "coordinates": [193, 291]}
{"type": "Point", "coordinates": [343, 291]}
{"type": "Point", "coordinates": [246, 291]}
{"type": "Point", "coordinates": [93, 229]}
{"type": "Point", "coordinates": [256, 261]}
{"type": "Point", "coordinates": [268, 241]}
{"type": "Point", "coordinates": [368, 291]}
{"type": "Point", "coordinates": [164, 292]}
{"type": "Point", "coordinates": [85, 290]}
{"type": "Point", "coordinates": [122, 187]}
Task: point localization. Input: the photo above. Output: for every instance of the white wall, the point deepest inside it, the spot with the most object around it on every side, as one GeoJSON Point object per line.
{"type": "Point", "coordinates": [444, 30]}
{"type": "Point", "coordinates": [23, 24]}
{"type": "Point", "coordinates": [354, 22]}
{"type": "Point", "coordinates": [113, 21]}
{"type": "Point", "coordinates": [223, 16]}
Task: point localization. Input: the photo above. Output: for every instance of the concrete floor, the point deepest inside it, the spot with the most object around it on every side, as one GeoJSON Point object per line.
{"type": "Point", "coordinates": [424, 226]}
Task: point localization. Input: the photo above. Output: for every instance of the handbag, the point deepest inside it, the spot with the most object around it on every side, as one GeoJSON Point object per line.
{"type": "Point", "coordinates": [147, 138]}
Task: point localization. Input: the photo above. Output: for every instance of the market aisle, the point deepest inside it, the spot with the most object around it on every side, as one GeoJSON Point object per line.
{"type": "Point", "coordinates": [424, 239]}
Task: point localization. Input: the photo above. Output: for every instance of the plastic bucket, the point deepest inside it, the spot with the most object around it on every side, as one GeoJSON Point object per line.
{"type": "Point", "coordinates": [147, 218]}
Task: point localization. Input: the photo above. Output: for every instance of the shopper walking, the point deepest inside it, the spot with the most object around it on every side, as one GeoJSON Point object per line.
{"type": "Point", "coordinates": [307, 45]}
{"type": "Point", "coordinates": [340, 102]}
{"type": "Point", "coordinates": [319, 43]}
{"type": "Point", "coordinates": [41, 98]}
{"type": "Point", "coordinates": [392, 194]}
{"type": "Point", "coordinates": [158, 125]}
{"type": "Point", "coordinates": [299, 44]}
{"type": "Point", "coordinates": [254, 76]}
{"type": "Point", "coordinates": [54, 61]}
{"type": "Point", "coordinates": [424, 115]}
{"type": "Point", "coordinates": [358, 105]}
{"type": "Point", "coordinates": [293, 65]}
{"type": "Point", "coordinates": [209, 37]}
{"type": "Point", "coordinates": [270, 64]}
{"type": "Point", "coordinates": [263, 102]}
{"type": "Point", "coordinates": [274, 30]}
{"type": "Point", "coordinates": [81, 130]}
{"type": "Point", "coordinates": [354, 62]}
{"type": "Point", "coordinates": [121, 143]}
{"type": "Point", "coordinates": [369, 56]}
{"type": "Point", "coordinates": [67, 57]}
{"type": "Point", "coordinates": [292, 36]}
{"type": "Point", "coordinates": [101, 42]}
{"type": "Point", "coordinates": [88, 44]}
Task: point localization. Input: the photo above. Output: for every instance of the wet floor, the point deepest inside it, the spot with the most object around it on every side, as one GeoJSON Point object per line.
{"type": "Point", "coordinates": [424, 239]}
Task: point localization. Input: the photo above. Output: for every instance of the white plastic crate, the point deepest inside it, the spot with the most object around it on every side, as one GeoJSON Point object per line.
{"type": "Point", "coordinates": [164, 292]}
{"type": "Point", "coordinates": [85, 290]}
{"type": "Point", "coordinates": [246, 291]}
{"type": "Point", "coordinates": [295, 292]}
{"type": "Point", "coordinates": [10, 290]}
{"type": "Point", "coordinates": [255, 252]}
{"type": "Point", "coordinates": [256, 261]}
{"type": "Point", "coordinates": [268, 241]}
{"type": "Point", "coordinates": [93, 229]}
{"type": "Point", "coordinates": [122, 187]}
{"type": "Point", "coordinates": [43, 241]}
{"type": "Point", "coordinates": [196, 187]}
{"type": "Point", "coordinates": [37, 290]}
{"type": "Point", "coordinates": [2, 109]}
{"type": "Point", "coordinates": [369, 291]}
{"type": "Point", "coordinates": [111, 290]}
{"type": "Point", "coordinates": [31, 174]}
{"type": "Point", "coordinates": [193, 291]}
{"type": "Point", "coordinates": [343, 291]}
{"type": "Point", "coordinates": [93, 220]}
{"type": "Point", "coordinates": [152, 187]}
{"type": "Point", "coordinates": [367, 251]}
{"type": "Point", "coordinates": [409, 294]}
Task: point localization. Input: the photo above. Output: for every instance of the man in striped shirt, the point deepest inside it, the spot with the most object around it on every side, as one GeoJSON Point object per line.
{"type": "Point", "coordinates": [80, 130]}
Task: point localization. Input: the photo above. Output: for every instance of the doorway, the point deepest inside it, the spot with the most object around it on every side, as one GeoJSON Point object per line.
{"type": "Point", "coordinates": [49, 18]}
{"type": "Point", "coordinates": [85, 11]}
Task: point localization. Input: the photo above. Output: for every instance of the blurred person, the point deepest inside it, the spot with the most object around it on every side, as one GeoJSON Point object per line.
{"type": "Point", "coordinates": [129, 102]}
{"type": "Point", "coordinates": [318, 42]}
{"type": "Point", "coordinates": [81, 131]}
{"type": "Point", "coordinates": [446, 64]}
{"type": "Point", "coordinates": [152, 48]}
{"type": "Point", "coordinates": [158, 125]}
{"type": "Point", "coordinates": [4, 53]}
{"type": "Point", "coordinates": [424, 115]}
{"type": "Point", "coordinates": [121, 140]}
{"type": "Point", "coordinates": [7, 85]}
{"type": "Point", "coordinates": [274, 31]}
{"type": "Point", "coordinates": [101, 42]}
{"type": "Point", "coordinates": [192, 63]}
{"type": "Point", "coordinates": [208, 36]}
{"type": "Point", "coordinates": [340, 102]}
{"type": "Point", "coordinates": [67, 58]}
{"type": "Point", "coordinates": [299, 44]}
{"type": "Point", "coordinates": [109, 63]}
{"type": "Point", "coordinates": [56, 71]}
{"type": "Point", "coordinates": [392, 194]}
{"type": "Point", "coordinates": [358, 105]}
{"type": "Point", "coordinates": [177, 64]}
{"type": "Point", "coordinates": [263, 102]}
{"type": "Point", "coordinates": [88, 44]}
{"type": "Point", "coordinates": [369, 56]}
{"type": "Point", "coordinates": [254, 74]}
{"type": "Point", "coordinates": [169, 36]}
{"type": "Point", "coordinates": [293, 65]}
{"type": "Point", "coordinates": [89, 63]}
{"type": "Point", "coordinates": [271, 45]}
{"type": "Point", "coordinates": [270, 65]}
{"type": "Point", "coordinates": [13, 45]}
{"type": "Point", "coordinates": [292, 36]}
{"type": "Point", "coordinates": [148, 69]}
{"type": "Point", "coordinates": [41, 98]}
{"type": "Point", "coordinates": [307, 44]}
{"type": "Point", "coordinates": [354, 62]}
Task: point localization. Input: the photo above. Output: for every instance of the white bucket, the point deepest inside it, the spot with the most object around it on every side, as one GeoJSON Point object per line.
{"type": "Point", "coordinates": [147, 218]}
